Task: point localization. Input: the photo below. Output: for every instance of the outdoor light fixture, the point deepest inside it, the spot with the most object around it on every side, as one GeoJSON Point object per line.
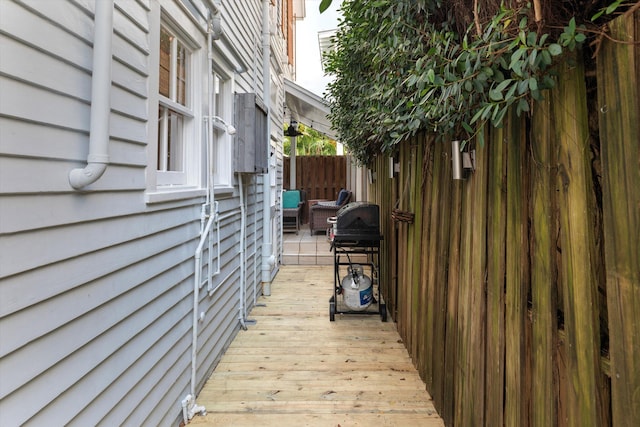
{"type": "Point", "coordinates": [292, 130]}
{"type": "Point", "coordinates": [394, 167]}
{"type": "Point", "coordinates": [456, 160]}
{"type": "Point", "coordinates": [463, 162]}
{"type": "Point", "coordinates": [230, 129]}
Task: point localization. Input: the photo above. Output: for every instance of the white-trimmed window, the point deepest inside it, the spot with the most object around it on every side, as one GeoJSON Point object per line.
{"type": "Point", "coordinates": [222, 107]}
{"type": "Point", "coordinates": [175, 110]}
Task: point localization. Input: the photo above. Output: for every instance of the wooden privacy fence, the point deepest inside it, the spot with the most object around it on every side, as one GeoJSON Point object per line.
{"type": "Point", "coordinates": [517, 291]}
{"type": "Point", "coordinates": [321, 176]}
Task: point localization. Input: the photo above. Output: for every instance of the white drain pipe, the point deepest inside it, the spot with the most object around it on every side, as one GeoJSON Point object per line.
{"type": "Point", "coordinates": [98, 157]}
{"type": "Point", "coordinates": [242, 316]}
{"type": "Point", "coordinates": [189, 406]}
{"type": "Point", "coordinates": [256, 262]}
{"type": "Point", "coordinates": [268, 259]}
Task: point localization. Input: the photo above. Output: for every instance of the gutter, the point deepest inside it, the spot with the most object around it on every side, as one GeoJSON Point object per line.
{"type": "Point", "coordinates": [98, 157]}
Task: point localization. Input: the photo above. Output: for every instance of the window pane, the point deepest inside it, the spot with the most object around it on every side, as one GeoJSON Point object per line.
{"type": "Point", "coordinates": [170, 137]}
{"type": "Point", "coordinates": [181, 78]}
{"type": "Point", "coordinates": [161, 139]}
{"type": "Point", "coordinates": [222, 102]}
{"type": "Point", "coordinates": [175, 154]}
{"type": "Point", "coordinates": [165, 62]}
{"type": "Point", "coordinates": [218, 100]}
{"type": "Point", "coordinates": [174, 123]}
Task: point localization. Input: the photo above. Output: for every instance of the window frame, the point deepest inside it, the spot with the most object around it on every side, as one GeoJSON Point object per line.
{"type": "Point", "coordinates": [182, 175]}
{"type": "Point", "coordinates": [169, 186]}
{"type": "Point", "coordinates": [223, 167]}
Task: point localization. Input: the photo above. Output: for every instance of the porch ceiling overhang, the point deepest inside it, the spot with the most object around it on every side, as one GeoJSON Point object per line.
{"type": "Point", "coordinates": [308, 108]}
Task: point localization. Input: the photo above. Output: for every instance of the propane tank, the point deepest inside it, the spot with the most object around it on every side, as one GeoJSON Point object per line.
{"type": "Point", "coordinates": [356, 288]}
{"type": "Point", "coordinates": [331, 231]}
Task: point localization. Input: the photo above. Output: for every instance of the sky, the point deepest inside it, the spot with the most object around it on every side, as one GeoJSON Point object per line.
{"type": "Point", "coordinates": [309, 72]}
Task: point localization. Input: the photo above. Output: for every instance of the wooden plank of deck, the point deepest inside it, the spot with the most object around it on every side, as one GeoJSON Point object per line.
{"type": "Point", "coordinates": [296, 368]}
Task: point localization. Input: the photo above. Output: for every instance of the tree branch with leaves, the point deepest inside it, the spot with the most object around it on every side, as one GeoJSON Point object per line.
{"type": "Point", "coordinates": [401, 68]}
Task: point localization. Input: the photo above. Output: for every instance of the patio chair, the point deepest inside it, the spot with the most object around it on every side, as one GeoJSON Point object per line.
{"type": "Point", "coordinates": [292, 203]}
{"type": "Point", "coordinates": [319, 213]}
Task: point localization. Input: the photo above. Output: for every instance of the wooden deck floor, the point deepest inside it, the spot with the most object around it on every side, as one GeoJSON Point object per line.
{"type": "Point", "coordinates": [296, 368]}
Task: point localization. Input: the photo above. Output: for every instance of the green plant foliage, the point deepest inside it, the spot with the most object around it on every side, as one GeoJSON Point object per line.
{"type": "Point", "coordinates": [604, 11]}
{"type": "Point", "coordinates": [324, 5]}
{"type": "Point", "coordinates": [398, 73]}
{"type": "Point", "coordinates": [310, 143]}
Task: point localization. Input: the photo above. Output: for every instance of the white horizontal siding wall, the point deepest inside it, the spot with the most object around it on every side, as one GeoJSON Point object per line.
{"type": "Point", "coordinates": [96, 286]}
{"type": "Point", "coordinates": [245, 16]}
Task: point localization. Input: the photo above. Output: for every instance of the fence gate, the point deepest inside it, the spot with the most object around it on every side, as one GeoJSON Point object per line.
{"type": "Point", "coordinates": [321, 177]}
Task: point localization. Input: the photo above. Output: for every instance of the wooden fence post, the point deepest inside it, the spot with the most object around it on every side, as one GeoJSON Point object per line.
{"type": "Point", "coordinates": [453, 307]}
{"type": "Point", "coordinates": [579, 283]}
{"type": "Point", "coordinates": [618, 95]}
{"type": "Point", "coordinates": [516, 276]}
{"type": "Point", "coordinates": [496, 248]}
{"type": "Point", "coordinates": [426, 186]}
{"type": "Point", "coordinates": [543, 273]}
{"type": "Point", "coordinates": [412, 263]}
{"type": "Point", "coordinates": [441, 259]}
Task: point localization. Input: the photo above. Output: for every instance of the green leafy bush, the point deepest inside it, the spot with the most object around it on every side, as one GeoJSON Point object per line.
{"type": "Point", "coordinates": [398, 71]}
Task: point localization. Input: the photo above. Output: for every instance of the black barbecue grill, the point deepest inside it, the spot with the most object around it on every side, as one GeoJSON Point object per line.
{"type": "Point", "coordinates": [356, 235]}
{"type": "Point", "coordinates": [358, 220]}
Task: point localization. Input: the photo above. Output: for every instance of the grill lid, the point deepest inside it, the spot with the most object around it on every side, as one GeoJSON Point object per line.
{"type": "Point", "coordinates": [358, 218]}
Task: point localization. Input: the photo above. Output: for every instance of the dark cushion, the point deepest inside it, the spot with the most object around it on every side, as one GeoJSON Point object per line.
{"type": "Point", "coordinates": [343, 195]}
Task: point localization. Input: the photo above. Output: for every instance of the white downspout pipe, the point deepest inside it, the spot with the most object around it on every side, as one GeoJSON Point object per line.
{"type": "Point", "coordinates": [256, 263]}
{"type": "Point", "coordinates": [243, 275]}
{"type": "Point", "coordinates": [98, 157]}
{"type": "Point", "coordinates": [189, 405]}
{"type": "Point", "coordinates": [218, 255]}
{"type": "Point", "coordinates": [210, 148]}
{"type": "Point", "coordinates": [211, 202]}
{"type": "Point", "coordinates": [268, 259]}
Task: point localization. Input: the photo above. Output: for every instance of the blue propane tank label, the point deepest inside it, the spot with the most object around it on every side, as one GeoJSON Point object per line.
{"type": "Point", "coordinates": [366, 296]}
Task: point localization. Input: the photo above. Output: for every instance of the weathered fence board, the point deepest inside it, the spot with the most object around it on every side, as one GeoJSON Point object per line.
{"type": "Point", "coordinates": [543, 277]}
{"type": "Point", "coordinates": [580, 288]}
{"type": "Point", "coordinates": [321, 177]}
{"type": "Point", "coordinates": [516, 280]}
{"type": "Point", "coordinates": [477, 294]}
{"type": "Point", "coordinates": [452, 326]}
{"type": "Point", "coordinates": [619, 136]}
{"type": "Point", "coordinates": [414, 253]}
{"type": "Point", "coordinates": [464, 352]}
{"type": "Point", "coordinates": [386, 190]}
{"type": "Point", "coordinates": [430, 215]}
{"type": "Point", "coordinates": [424, 219]}
{"type": "Point", "coordinates": [498, 286]}
{"type": "Point", "coordinates": [496, 247]}
{"type": "Point", "coordinates": [405, 285]}
{"type": "Point", "coordinates": [441, 256]}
